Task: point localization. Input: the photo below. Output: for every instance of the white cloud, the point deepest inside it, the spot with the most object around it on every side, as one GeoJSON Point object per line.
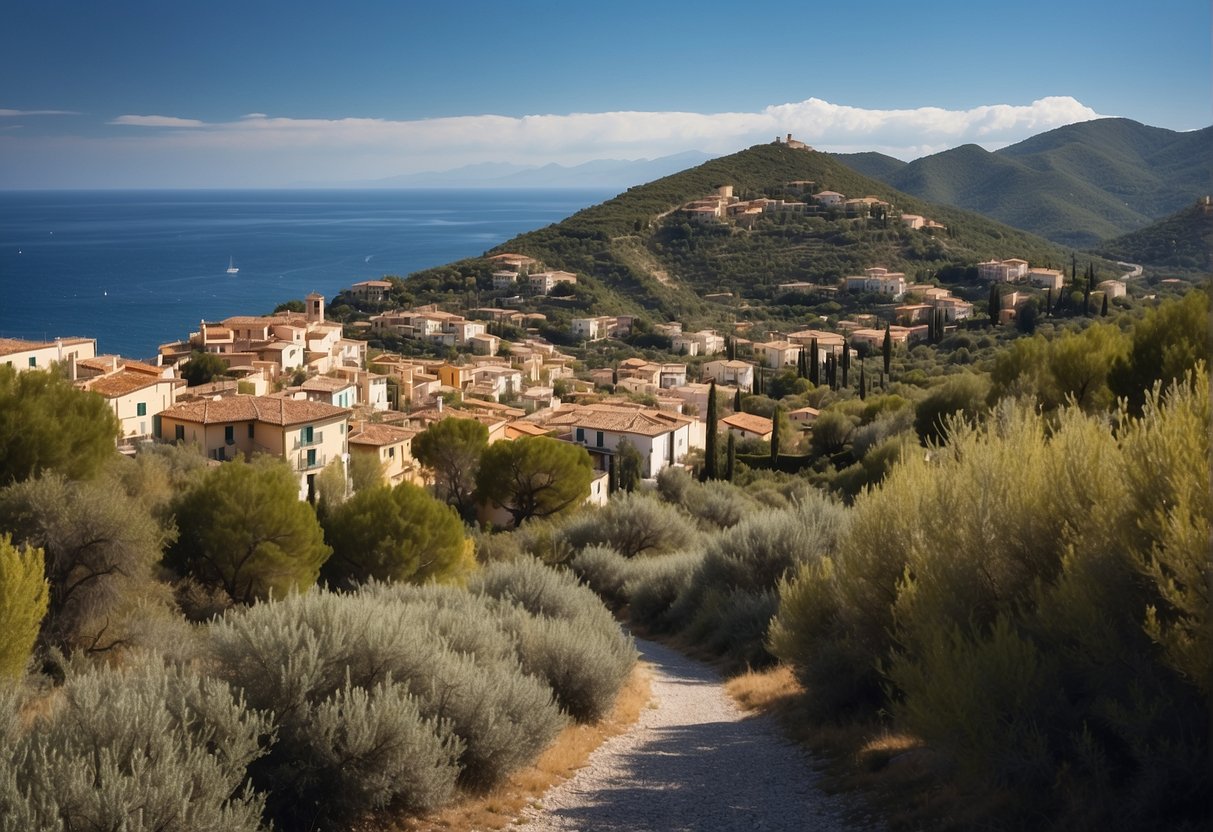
{"type": "Point", "coordinates": [18, 113]}
{"type": "Point", "coordinates": [575, 137]}
{"type": "Point", "coordinates": [257, 150]}
{"type": "Point", "coordinates": [158, 121]}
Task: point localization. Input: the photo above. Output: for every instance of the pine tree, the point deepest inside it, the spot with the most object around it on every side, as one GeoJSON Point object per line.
{"type": "Point", "coordinates": [710, 469]}
{"type": "Point", "coordinates": [814, 363]}
{"type": "Point", "coordinates": [886, 349]}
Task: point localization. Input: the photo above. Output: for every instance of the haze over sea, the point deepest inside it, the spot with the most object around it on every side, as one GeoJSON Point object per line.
{"type": "Point", "coordinates": [135, 269]}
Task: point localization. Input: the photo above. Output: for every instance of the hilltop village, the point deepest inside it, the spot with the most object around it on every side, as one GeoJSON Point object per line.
{"type": "Point", "coordinates": [298, 385]}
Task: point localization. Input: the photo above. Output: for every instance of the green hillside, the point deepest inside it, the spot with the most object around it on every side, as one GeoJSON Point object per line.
{"type": "Point", "coordinates": [875, 165]}
{"type": "Point", "coordinates": [1183, 240]}
{"type": "Point", "coordinates": [633, 255]}
{"type": "Point", "coordinates": [1077, 185]}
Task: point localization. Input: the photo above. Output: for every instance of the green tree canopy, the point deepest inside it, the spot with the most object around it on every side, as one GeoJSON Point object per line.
{"type": "Point", "coordinates": [46, 424]}
{"type": "Point", "coordinates": [534, 476]}
{"type": "Point", "coordinates": [1167, 343]}
{"type": "Point", "coordinates": [101, 547]}
{"type": "Point", "coordinates": [963, 393]}
{"type": "Point", "coordinates": [395, 534]}
{"type": "Point", "coordinates": [630, 464]}
{"type": "Point", "coordinates": [23, 603]}
{"type": "Point", "coordinates": [244, 529]}
{"type": "Point", "coordinates": [203, 368]}
{"type": "Point", "coordinates": [452, 449]}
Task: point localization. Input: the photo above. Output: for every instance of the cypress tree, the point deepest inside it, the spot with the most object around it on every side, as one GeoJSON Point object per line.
{"type": "Point", "coordinates": [814, 363]}
{"type": "Point", "coordinates": [886, 349]}
{"type": "Point", "coordinates": [737, 400]}
{"type": "Point", "coordinates": [802, 370]}
{"type": "Point", "coordinates": [846, 362]}
{"type": "Point", "coordinates": [863, 384]}
{"type": "Point", "coordinates": [730, 465]}
{"type": "Point", "coordinates": [710, 470]}
{"type": "Point", "coordinates": [995, 303]}
{"type": "Point", "coordinates": [775, 435]}
{"type": "Point", "coordinates": [1103, 313]}
{"type": "Point", "coordinates": [1049, 303]}
{"type": "Point", "coordinates": [612, 474]}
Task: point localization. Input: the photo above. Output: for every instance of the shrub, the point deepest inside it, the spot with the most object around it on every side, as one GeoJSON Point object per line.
{"type": "Point", "coordinates": [542, 591]}
{"type": "Point", "coordinates": [632, 524]}
{"type": "Point", "coordinates": [23, 602]}
{"type": "Point", "coordinates": [605, 571]}
{"type": "Point", "coordinates": [354, 751]}
{"type": "Point", "coordinates": [656, 583]}
{"type": "Point", "coordinates": [584, 665]}
{"type": "Point", "coordinates": [145, 748]}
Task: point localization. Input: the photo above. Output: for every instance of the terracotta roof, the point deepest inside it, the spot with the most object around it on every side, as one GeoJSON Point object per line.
{"type": "Point", "coordinates": [524, 429]}
{"type": "Point", "coordinates": [621, 420]}
{"type": "Point", "coordinates": [274, 411]}
{"type": "Point", "coordinates": [748, 422]}
{"type": "Point", "coordinates": [379, 435]}
{"type": "Point", "coordinates": [8, 346]}
{"type": "Point", "coordinates": [324, 384]}
{"type": "Point", "coordinates": [123, 382]}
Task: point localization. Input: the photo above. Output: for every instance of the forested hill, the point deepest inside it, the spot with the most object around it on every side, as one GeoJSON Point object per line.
{"type": "Point", "coordinates": [633, 253]}
{"type": "Point", "coordinates": [1183, 240]}
{"type": "Point", "coordinates": [1078, 185]}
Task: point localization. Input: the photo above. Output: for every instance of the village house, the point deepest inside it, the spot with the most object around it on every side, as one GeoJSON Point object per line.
{"type": "Point", "coordinates": [1112, 288]}
{"type": "Point", "coordinates": [747, 426]}
{"type": "Point", "coordinates": [40, 355]}
{"type": "Point", "coordinates": [829, 199]}
{"type": "Point", "coordinates": [542, 283]}
{"type": "Point", "coordinates": [738, 374]}
{"type": "Point", "coordinates": [391, 447]}
{"type": "Point", "coordinates": [1002, 271]}
{"type": "Point", "coordinates": [803, 417]}
{"type": "Point", "coordinates": [703, 342]}
{"type": "Point", "coordinates": [877, 280]}
{"type": "Point", "coordinates": [694, 396]}
{"type": "Point", "coordinates": [662, 438]}
{"type": "Point", "coordinates": [339, 392]}
{"type": "Point", "coordinates": [137, 393]}
{"type": "Point", "coordinates": [776, 354]}
{"type": "Point", "coordinates": [308, 435]}
{"type": "Point", "coordinates": [1046, 279]}
{"type": "Point", "coordinates": [504, 280]}
{"type": "Point", "coordinates": [370, 291]}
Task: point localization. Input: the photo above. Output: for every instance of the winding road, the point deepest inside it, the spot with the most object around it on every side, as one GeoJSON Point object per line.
{"type": "Point", "coordinates": [693, 761]}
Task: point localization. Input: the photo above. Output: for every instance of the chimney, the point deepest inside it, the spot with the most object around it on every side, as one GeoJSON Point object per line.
{"type": "Point", "coordinates": [789, 138]}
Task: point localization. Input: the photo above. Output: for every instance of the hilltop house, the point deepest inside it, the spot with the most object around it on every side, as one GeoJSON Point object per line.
{"type": "Point", "coordinates": [739, 374]}
{"type": "Point", "coordinates": [40, 355]}
{"type": "Point", "coordinates": [662, 438]}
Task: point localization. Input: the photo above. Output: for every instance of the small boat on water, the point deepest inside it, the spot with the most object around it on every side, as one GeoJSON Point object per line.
{"type": "Point", "coordinates": [232, 268]}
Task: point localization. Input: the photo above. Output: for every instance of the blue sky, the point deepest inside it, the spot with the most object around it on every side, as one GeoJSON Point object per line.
{"type": "Point", "coordinates": [136, 93]}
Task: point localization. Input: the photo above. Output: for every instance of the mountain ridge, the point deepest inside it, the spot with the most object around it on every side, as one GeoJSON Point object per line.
{"type": "Point", "coordinates": [1077, 185]}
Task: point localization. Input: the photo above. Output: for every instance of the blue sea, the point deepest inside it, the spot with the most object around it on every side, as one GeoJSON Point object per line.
{"type": "Point", "coordinates": [135, 269]}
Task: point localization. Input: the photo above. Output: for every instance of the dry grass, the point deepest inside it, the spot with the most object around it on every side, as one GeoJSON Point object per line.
{"type": "Point", "coordinates": [568, 753]}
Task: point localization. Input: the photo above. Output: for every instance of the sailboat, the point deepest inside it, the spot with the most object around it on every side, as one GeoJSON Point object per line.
{"type": "Point", "coordinates": [232, 268]}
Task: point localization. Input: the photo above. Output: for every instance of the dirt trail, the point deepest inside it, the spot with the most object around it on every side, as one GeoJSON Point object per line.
{"type": "Point", "coordinates": [693, 761]}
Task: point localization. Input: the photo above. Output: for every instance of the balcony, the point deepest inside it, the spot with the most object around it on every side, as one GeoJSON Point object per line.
{"type": "Point", "coordinates": [306, 462]}
{"type": "Point", "coordinates": [317, 438]}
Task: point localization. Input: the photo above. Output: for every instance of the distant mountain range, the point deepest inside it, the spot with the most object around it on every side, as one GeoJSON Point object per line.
{"type": "Point", "coordinates": [609, 174]}
{"type": "Point", "coordinates": [1077, 185]}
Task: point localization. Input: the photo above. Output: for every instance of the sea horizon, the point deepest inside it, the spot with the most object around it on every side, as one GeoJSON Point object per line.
{"type": "Point", "coordinates": [138, 267]}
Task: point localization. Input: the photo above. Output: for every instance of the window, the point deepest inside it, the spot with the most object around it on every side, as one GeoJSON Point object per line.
{"type": "Point", "coordinates": [580, 434]}
{"type": "Point", "coordinates": [33, 361]}
{"type": "Point", "coordinates": [307, 435]}
{"type": "Point", "coordinates": [311, 458]}
{"type": "Point", "coordinates": [391, 452]}
{"type": "Point", "coordinates": [229, 434]}
{"type": "Point", "coordinates": [250, 430]}
{"type": "Point", "coordinates": [141, 409]}
{"type": "Point", "coordinates": [599, 439]}
{"type": "Point", "coordinates": [179, 433]}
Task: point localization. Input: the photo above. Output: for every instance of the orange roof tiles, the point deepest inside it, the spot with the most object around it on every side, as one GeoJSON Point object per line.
{"type": "Point", "coordinates": [274, 411]}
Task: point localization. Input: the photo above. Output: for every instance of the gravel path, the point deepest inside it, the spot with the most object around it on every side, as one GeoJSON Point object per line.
{"type": "Point", "coordinates": [693, 761]}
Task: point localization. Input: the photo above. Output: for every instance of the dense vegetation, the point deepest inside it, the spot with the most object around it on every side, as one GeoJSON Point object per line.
{"type": "Point", "coordinates": [1020, 585]}
{"type": "Point", "coordinates": [169, 660]}
{"type": "Point", "coordinates": [1078, 185]}
{"type": "Point", "coordinates": [1183, 240]}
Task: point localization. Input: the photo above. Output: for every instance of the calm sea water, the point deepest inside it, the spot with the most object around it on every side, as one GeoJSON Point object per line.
{"type": "Point", "coordinates": [136, 269]}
